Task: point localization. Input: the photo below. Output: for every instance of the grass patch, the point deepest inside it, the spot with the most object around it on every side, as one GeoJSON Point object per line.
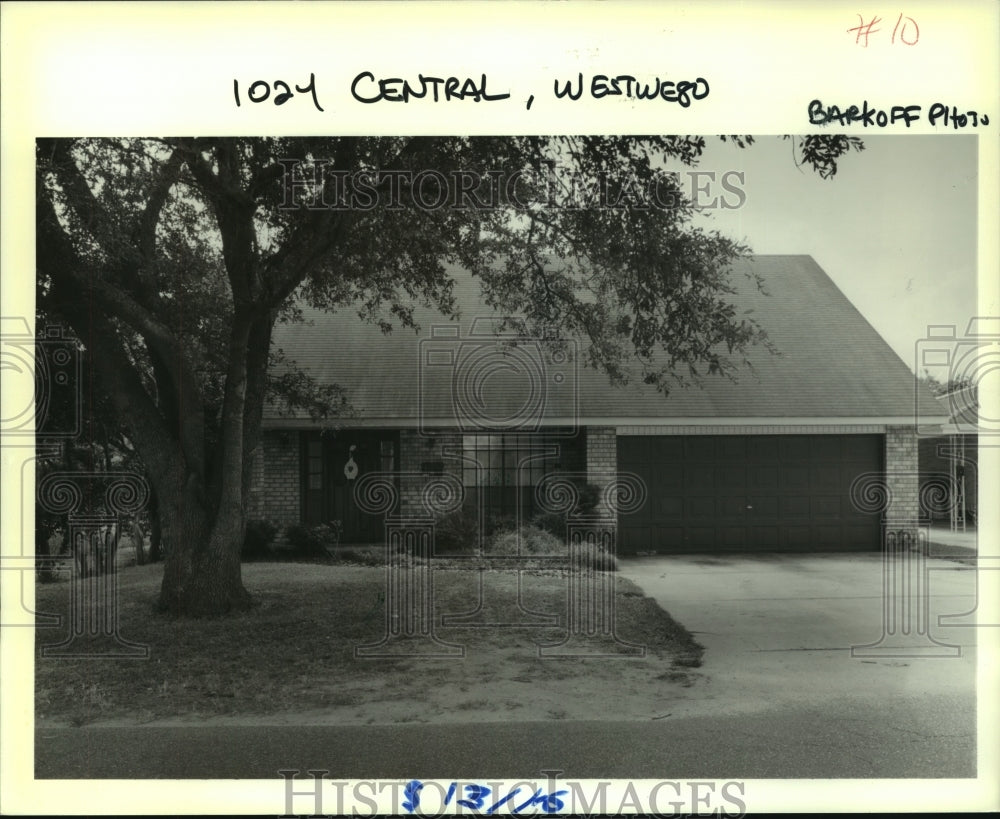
{"type": "Point", "coordinates": [294, 651]}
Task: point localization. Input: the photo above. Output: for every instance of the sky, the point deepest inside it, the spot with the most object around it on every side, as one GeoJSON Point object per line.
{"type": "Point", "coordinates": [895, 228]}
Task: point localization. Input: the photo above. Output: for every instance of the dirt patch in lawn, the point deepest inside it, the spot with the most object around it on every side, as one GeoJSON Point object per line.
{"type": "Point", "coordinates": [292, 658]}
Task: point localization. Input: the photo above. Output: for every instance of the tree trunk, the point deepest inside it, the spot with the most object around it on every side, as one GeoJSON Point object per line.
{"type": "Point", "coordinates": [201, 574]}
{"type": "Point", "coordinates": [155, 530]}
{"type": "Point", "coordinates": [138, 537]}
{"type": "Point", "coordinates": [42, 548]}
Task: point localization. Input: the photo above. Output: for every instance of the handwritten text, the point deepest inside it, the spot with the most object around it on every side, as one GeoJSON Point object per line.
{"type": "Point", "coordinates": [938, 114]}
{"type": "Point", "coordinates": [260, 91]}
{"type": "Point", "coordinates": [367, 89]}
{"type": "Point", "coordinates": [625, 85]}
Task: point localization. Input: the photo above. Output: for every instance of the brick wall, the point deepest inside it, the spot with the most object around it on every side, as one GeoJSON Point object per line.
{"type": "Point", "coordinates": [276, 484]}
{"type": "Point", "coordinates": [602, 458]}
{"type": "Point", "coordinates": [422, 453]}
{"type": "Point", "coordinates": [256, 500]}
{"type": "Point", "coordinates": [276, 474]}
{"type": "Point", "coordinates": [903, 477]}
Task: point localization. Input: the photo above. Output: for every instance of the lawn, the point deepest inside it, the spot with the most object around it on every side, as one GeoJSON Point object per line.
{"type": "Point", "coordinates": [291, 658]}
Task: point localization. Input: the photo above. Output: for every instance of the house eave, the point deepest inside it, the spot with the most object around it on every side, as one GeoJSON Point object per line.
{"type": "Point", "coordinates": [927, 425]}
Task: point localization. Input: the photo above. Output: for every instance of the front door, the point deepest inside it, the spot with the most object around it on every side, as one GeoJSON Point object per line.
{"type": "Point", "coordinates": [332, 464]}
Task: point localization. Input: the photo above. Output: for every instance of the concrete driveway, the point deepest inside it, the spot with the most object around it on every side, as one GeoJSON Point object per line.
{"type": "Point", "coordinates": [778, 630]}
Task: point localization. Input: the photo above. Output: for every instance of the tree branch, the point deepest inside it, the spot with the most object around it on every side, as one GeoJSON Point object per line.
{"type": "Point", "coordinates": [81, 199]}
{"type": "Point", "coordinates": [144, 233]}
{"type": "Point", "coordinates": [60, 262]}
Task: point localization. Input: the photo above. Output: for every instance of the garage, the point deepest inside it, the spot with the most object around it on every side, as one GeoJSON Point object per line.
{"type": "Point", "coordinates": [748, 493]}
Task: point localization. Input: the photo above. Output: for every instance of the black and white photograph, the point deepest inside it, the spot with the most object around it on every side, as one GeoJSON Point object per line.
{"type": "Point", "coordinates": [506, 472]}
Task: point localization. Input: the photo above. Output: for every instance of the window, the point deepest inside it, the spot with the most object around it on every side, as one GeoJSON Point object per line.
{"type": "Point", "coordinates": [314, 465]}
{"type": "Point", "coordinates": [387, 451]}
{"type": "Point", "coordinates": [509, 467]}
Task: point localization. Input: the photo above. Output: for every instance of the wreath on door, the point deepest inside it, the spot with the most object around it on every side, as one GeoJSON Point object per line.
{"type": "Point", "coordinates": [351, 467]}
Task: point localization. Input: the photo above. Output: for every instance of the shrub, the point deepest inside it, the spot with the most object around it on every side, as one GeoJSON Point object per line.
{"type": "Point", "coordinates": [499, 523]}
{"type": "Point", "coordinates": [458, 533]}
{"type": "Point", "coordinates": [552, 522]}
{"type": "Point", "coordinates": [530, 540]}
{"type": "Point", "coordinates": [533, 541]}
{"type": "Point", "coordinates": [364, 557]}
{"type": "Point", "coordinates": [315, 541]}
{"type": "Point", "coordinates": [257, 541]}
{"type": "Point", "coordinates": [600, 560]}
{"type": "Point", "coordinates": [588, 497]}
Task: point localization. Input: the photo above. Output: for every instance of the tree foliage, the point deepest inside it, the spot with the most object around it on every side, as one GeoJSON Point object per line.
{"type": "Point", "coordinates": [172, 259]}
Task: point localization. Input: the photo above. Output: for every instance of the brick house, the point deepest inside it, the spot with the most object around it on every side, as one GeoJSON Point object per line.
{"type": "Point", "coordinates": [770, 462]}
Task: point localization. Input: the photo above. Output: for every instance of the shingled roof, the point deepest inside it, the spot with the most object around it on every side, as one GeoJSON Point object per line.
{"type": "Point", "coordinates": [832, 366]}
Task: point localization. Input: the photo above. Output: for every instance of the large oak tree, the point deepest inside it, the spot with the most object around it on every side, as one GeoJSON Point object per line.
{"type": "Point", "coordinates": [171, 259]}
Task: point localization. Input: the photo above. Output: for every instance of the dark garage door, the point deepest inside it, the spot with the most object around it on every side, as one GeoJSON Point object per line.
{"type": "Point", "coordinates": [734, 493]}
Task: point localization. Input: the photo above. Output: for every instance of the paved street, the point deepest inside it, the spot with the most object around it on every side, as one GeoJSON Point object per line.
{"type": "Point", "coordinates": [781, 697]}
{"type": "Point", "coordinates": [841, 739]}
